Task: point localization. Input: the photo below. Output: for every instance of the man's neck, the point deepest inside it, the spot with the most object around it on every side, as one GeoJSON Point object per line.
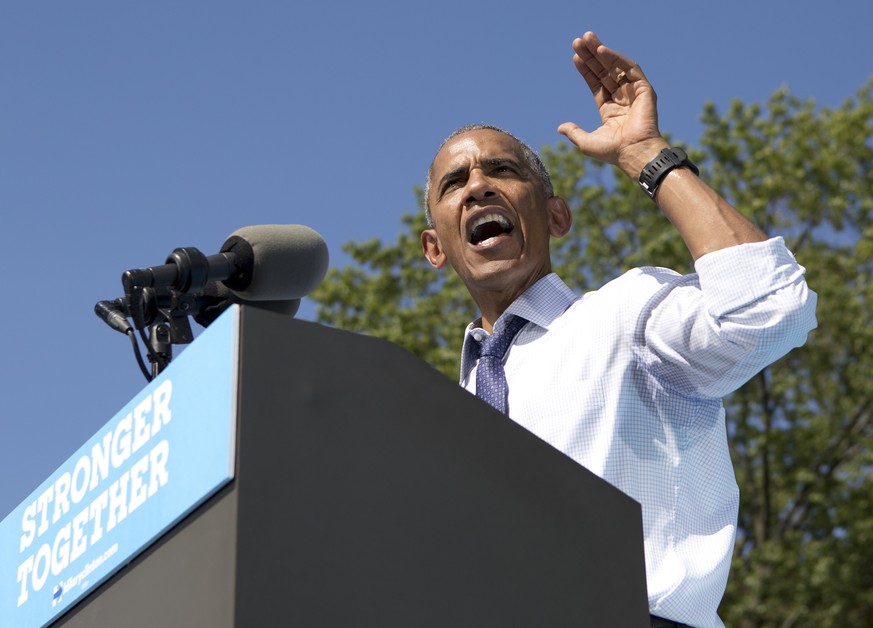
{"type": "Point", "coordinates": [492, 303]}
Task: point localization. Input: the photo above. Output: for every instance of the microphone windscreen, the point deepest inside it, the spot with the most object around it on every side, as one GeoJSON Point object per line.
{"type": "Point", "coordinates": [287, 261]}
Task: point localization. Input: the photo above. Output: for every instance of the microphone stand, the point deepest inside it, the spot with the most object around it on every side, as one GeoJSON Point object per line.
{"type": "Point", "coordinates": [164, 313]}
{"type": "Point", "coordinates": [160, 348]}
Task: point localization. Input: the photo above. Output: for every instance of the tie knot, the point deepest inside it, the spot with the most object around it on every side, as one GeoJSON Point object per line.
{"type": "Point", "coordinates": [497, 343]}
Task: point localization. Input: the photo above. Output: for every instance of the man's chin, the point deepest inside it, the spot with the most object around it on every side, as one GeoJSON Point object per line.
{"type": "Point", "coordinates": [498, 275]}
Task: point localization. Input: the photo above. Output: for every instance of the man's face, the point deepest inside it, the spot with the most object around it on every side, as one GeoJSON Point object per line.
{"type": "Point", "coordinates": [492, 220]}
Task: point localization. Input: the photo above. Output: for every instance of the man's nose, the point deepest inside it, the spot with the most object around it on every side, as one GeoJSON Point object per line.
{"type": "Point", "coordinates": [479, 186]}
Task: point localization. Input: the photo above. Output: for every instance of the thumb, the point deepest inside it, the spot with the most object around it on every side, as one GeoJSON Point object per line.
{"type": "Point", "coordinates": [574, 133]}
{"type": "Point", "coordinates": [591, 144]}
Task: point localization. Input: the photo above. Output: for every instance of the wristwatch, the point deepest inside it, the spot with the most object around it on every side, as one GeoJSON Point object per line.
{"type": "Point", "coordinates": [657, 169]}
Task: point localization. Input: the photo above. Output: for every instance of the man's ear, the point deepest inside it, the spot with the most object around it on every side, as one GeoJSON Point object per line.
{"type": "Point", "coordinates": [430, 246]}
{"type": "Point", "coordinates": [560, 217]}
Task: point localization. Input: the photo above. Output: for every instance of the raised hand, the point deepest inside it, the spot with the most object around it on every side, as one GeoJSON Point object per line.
{"type": "Point", "coordinates": [629, 136]}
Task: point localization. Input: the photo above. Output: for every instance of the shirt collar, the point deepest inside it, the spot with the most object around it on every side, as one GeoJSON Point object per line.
{"type": "Point", "coordinates": [541, 304]}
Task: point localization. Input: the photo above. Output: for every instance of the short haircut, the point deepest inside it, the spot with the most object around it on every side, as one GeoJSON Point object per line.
{"type": "Point", "coordinates": [533, 161]}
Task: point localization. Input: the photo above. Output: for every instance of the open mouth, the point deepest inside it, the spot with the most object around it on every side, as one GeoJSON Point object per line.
{"type": "Point", "coordinates": [489, 226]}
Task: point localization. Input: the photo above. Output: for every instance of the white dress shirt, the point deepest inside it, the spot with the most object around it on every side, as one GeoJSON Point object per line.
{"type": "Point", "coordinates": [627, 380]}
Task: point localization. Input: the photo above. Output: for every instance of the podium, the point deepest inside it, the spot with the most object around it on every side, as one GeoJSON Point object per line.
{"type": "Point", "coordinates": [370, 490]}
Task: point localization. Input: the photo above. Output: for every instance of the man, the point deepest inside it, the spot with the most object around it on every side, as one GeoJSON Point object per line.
{"type": "Point", "coordinates": [626, 380]}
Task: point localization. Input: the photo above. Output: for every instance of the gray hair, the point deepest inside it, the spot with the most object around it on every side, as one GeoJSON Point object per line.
{"type": "Point", "coordinates": [531, 159]}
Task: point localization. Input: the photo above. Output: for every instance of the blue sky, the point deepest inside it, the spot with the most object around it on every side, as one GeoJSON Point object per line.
{"type": "Point", "coordinates": [128, 129]}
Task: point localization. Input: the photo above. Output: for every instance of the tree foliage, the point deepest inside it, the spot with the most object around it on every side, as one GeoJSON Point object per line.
{"type": "Point", "coordinates": [800, 431]}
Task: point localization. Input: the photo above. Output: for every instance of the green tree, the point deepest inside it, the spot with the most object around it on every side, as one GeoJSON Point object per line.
{"type": "Point", "coordinates": [801, 430]}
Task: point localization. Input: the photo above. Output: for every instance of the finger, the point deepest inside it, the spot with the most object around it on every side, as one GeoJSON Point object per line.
{"type": "Point", "coordinates": [603, 67]}
{"type": "Point", "coordinates": [594, 81]}
{"type": "Point", "coordinates": [598, 78]}
{"type": "Point", "coordinates": [600, 57]}
{"type": "Point", "coordinates": [604, 88]}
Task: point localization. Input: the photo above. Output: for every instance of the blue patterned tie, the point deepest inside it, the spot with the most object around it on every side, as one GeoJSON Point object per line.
{"type": "Point", "coordinates": [490, 376]}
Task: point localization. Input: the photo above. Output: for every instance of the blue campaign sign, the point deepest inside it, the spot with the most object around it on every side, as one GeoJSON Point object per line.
{"type": "Point", "coordinates": [164, 453]}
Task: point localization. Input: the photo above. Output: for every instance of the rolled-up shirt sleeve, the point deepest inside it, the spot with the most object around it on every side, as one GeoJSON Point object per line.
{"type": "Point", "coordinates": [746, 307]}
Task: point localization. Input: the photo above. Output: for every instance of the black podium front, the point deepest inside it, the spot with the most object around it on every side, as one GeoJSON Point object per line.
{"type": "Point", "coordinates": [372, 491]}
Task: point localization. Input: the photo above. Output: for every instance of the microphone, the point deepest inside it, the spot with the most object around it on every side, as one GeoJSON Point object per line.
{"type": "Point", "coordinates": [276, 262]}
{"type": "Point", "coordinates": [258, 263]}
{"type": "Point", "coordinates": [112, 313]}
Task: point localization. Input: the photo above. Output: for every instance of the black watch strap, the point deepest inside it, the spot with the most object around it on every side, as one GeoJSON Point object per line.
{"type": "Point", "coordinates": [657, 169]}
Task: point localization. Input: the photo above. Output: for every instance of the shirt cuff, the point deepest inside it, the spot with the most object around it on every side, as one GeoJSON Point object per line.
{"type": "Point", "coordinates": [737, 276]}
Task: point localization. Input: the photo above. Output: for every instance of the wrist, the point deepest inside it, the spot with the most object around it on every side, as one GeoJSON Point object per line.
{"type": "Point", "coordinates": [666, 161]}
{"type": "Point", "coordinates": [633, 159]}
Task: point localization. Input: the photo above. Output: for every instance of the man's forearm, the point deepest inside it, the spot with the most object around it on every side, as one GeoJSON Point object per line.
{"type": "Point", "coordinates": [704, 219]}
